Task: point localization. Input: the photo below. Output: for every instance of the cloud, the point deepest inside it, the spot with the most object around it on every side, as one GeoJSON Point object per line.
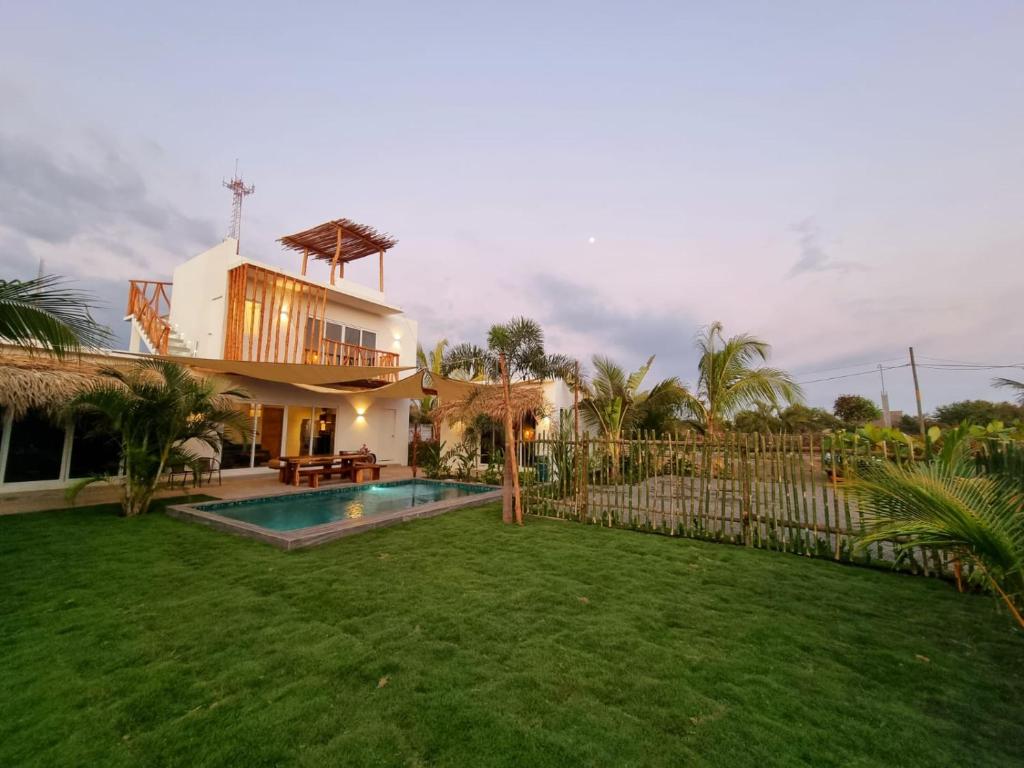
{"type": "Point", "coordinates": [581, 321]}
{"type": "Point", "coordinates": [69, 210]}
{"type": "Point", "coordinates": [813, 256]}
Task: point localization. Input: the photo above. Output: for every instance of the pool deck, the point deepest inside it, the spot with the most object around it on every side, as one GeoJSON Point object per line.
{"type": "Point", "coordinates": [264, 483]}
{"type": "Point", "coordinates": [312, 536]}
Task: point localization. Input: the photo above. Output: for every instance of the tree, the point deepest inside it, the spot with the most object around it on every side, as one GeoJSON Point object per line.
{"type": "Point", "coordinates": [515, 352]}
{"type": "Point", "coordinates": [614, 403]}
{"type": "Point", "coordinates": [946, 504]}
{"type": "Point", "coordinates": [727, 381]}
{"type": "Point", "coordinates": [422, 409]}
{"type": "Point", "coordinates": [1017, 386]}
{"type": "Point", "coordinates": [762, 418]}
{"type": "Point", "coordinates": [855, 411]}
{"type": "Point", "coordinates": [156, 408]}
{"type": "Point", "coordinates": [977, 412]}
{"type": "Point", "coordinates": [42, 312]}
{"type": "Point", "coordinates": [465, 361]}
{"type": "Point", "coordinates": [799, 419]}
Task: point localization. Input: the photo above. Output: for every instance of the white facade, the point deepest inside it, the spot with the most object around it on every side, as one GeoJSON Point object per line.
{"type": "Point", "coordinates": [286, 419]}
{"type": "Point", "coordinates": [199, 311]}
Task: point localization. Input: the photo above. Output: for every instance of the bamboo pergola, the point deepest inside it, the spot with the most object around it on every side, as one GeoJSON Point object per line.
{"type": "Point", "coordinates": [338, 242]}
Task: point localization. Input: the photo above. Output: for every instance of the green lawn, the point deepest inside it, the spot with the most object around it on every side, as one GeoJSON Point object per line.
{"type": "Point", "coordinates": [456, 641]}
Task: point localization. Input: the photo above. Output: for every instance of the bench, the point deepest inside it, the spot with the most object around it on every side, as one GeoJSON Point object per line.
{"type": "Point", "coordinates": [314, 473]}
{"type": "Point", "coordinates": [281, 467]}
{"type": "Point", "coordinates": [362, 473]}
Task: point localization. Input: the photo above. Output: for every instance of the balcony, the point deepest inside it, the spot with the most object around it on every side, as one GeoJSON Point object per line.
{"type": "Point", "coordinates": [276, 318]}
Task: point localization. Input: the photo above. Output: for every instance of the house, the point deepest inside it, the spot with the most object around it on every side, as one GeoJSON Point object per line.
{"type": "Point", "coordinates": [308, 345]}
{"type": "Point", "coordinates": [554, 413]}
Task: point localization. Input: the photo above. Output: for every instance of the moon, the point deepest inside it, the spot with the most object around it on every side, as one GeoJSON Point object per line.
{"type": "Point", "coordinates": [591, 239]}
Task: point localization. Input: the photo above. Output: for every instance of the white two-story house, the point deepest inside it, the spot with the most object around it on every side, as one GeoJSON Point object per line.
{"type": "Point", "coordinates": [307, 345]}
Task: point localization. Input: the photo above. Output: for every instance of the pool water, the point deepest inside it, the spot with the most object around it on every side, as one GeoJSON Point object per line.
{"type": "Point", "coordinates": [303, 510]}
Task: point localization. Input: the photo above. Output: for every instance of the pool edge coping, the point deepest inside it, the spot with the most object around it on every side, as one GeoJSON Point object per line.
{"type": "Point", "coordinates": [303, 538]}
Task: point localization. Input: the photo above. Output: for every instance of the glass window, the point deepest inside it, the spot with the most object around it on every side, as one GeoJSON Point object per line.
{"type": "Point", "coordinates": [36, 451]}
{"type": "Point", "coordinates": [236, 445]}
{"type": "Point", "coordinates": [369, 339]}
{"type": "Point", "coordinates": [323, 432]}
{"type": "Point", "coordinates": [353, 336]}
{"type": "Point", "coordinates": [95, 448]}
{"type": "Point", "coordinates": [312, 333]}
{"type": "Point", "coordinates": [332, 331]}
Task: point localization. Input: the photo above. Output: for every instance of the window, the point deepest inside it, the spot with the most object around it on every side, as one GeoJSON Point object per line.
{"type": "Point", "coordinates": [36, 449]}
{"type": "Point", "coordinates": [339, 333]}
{"type": "Point", "coordinates": [95, 448]}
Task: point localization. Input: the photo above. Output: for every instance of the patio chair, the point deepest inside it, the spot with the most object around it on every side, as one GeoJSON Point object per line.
{"type": "Point", "coordinates": [175, 471]}
{"type": "Point", "coordinates": [206, 467]}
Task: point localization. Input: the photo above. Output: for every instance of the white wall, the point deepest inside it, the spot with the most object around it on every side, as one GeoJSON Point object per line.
{"type": "Point", "coordinates": [198, 305]}
{"type": "Point", "coordinates": [198, 298]}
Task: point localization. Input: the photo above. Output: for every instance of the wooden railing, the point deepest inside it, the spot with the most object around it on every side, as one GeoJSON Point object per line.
{"type": "Point", "coordinates": [340, 353]}
{"type": "Point", "coordinates": [149, 303]}
{"type": "Point", "coordinates": [277, 318]}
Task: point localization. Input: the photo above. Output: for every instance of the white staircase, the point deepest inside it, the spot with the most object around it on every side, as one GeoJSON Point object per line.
{"type": "Point", "coordinates": [178, 345]}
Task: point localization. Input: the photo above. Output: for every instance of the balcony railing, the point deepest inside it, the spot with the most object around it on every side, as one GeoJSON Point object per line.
{"type": "Point", "coordinates": [277, 318]}
{"type": "Point", "coordinates": [149, 303]}
{"type": "Point", "coordinates": [339, 353]}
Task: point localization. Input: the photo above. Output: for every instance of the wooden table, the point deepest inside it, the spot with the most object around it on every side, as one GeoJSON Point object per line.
{"type": "Point", "coordinates": [292, 464]}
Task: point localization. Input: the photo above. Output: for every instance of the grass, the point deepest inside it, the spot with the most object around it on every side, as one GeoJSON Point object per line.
{"type": "Point", "coordinates": [456, 641]}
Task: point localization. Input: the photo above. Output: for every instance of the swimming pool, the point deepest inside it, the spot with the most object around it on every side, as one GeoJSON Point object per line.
{"type": "Point", "coordinates": [295, 520]}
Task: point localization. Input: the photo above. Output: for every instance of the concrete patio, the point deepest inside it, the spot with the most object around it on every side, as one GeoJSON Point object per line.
{"type": "Point", "coordinates": [233, 487]}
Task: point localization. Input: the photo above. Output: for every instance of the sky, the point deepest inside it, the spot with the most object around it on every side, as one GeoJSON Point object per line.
{"type": "Point", "coordinates": [844, 180]}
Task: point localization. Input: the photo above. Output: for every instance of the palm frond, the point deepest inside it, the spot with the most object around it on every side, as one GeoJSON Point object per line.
{"type": "Point", "coordinates": [1011, 384]}
{"type": "Point", "coordinates": [44, 312]}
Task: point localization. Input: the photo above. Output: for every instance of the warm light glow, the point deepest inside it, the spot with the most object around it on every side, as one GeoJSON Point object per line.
{"type": "Point", "coordinates": [360, 410]}
{"type": "Point", "coordinates": [284, 315]}
{"type": "Point", "coordinates": [528, 433]}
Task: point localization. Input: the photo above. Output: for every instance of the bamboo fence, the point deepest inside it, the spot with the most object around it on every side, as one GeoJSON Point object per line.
{"type": "Point", "coordinates": [786, 493]}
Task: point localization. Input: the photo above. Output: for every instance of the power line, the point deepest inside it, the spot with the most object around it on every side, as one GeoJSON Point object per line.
{"type": "Point", "coordinates": [872, 372]}
{"type": "Point", "coordinates": [844, 368]}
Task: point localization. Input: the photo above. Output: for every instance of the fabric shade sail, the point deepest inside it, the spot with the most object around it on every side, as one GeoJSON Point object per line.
{"type": "Point", "coordinates": [291, 373]}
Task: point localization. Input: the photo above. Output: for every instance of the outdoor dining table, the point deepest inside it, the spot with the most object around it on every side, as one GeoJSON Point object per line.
{"type": "Point", "coordinates": [292, 464]}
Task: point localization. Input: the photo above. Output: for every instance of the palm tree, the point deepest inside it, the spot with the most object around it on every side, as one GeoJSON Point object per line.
{"type": "Point", "coordinates": [515, 352]}
{"type": "Point", "coordinates": [1011, 384]}
{"type": "Point", "coordinates": [432, 362]}
{"type": "Point", "coordinates": [157, 408]}
{"type": "Point", "coordinates": [42, 312]}
{"type": "Point", "coordinates": [947, 504]}
{"type": "Point", "coordinates": [465, 362]}
{"type": "Point", "coordinates": [614, 403]}
{"type": "Point", "coordinates": [728, 382]}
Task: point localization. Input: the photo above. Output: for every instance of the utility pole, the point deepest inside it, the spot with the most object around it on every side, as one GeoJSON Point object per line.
{"type": "Point", "coordinates": [886, 414]}
{"type": "Point", "coordinates": [917, 394]}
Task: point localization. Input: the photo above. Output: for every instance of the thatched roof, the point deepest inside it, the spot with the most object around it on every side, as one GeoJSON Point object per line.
{"type": "Point", "coordinates": [357, 240]}
{"type": "Point", "coordinates": [38, 380]}
{"type": "Point", "coordinates": [487, 400]}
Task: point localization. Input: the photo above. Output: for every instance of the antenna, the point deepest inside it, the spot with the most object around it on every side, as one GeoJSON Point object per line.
{"type": "Point", "coordinates": [239, 191]}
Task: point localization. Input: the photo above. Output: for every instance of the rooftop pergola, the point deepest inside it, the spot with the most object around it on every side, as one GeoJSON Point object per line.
{"type": "Point", "coordinates": [340, 241]}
